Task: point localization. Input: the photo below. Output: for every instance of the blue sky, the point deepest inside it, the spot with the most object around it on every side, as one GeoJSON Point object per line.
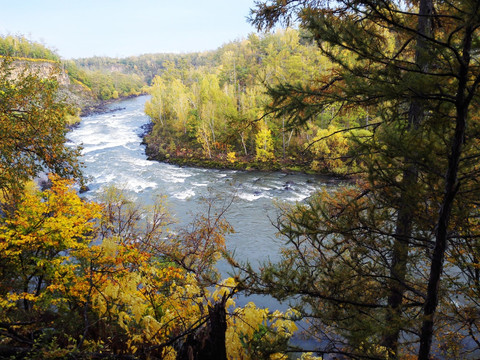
{"type": "Point", "coordinates": [118, 28]}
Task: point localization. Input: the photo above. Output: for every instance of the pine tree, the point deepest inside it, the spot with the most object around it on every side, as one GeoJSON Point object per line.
{"type": "Point", "coordinates": [368, 262]}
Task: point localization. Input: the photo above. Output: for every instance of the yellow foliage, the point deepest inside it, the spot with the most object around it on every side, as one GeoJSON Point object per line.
{"type": "Point", "coordinates": [252, 324]}
{"type": "Point", "coordinates": [40, 238]}
{"type": "Point", "coordinates": [126, 288]}
{"type": "Point", "coordinates": [329, 147]}
{"type": "Point", "coordinates": [264, 144]}
{"type": "Point", "coordinates": [231, 157]}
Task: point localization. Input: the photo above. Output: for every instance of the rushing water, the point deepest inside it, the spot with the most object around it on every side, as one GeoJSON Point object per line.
{"type": "Point", "coordinates": [113, 154]}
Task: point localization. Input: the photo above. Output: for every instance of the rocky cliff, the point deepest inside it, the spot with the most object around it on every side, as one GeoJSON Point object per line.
{"type": "Point", "coordinates": [42, 68]}
{"type": "Point", "coordinates": [72, 91]}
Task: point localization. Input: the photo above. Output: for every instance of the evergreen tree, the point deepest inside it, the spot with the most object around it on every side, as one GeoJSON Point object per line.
{"type": "Point", "coordinates": [368, 262]}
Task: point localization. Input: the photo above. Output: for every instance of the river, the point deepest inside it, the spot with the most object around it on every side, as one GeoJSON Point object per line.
{"type": "Point", "coordinates": [113, 154]}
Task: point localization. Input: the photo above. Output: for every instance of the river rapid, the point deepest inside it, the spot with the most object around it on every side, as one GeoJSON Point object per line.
{"type": "Point", "coordinates": [113, 154]}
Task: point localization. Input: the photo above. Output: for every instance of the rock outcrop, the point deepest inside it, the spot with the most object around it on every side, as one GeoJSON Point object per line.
{"type": "Point", "coordinates": [72, 91]}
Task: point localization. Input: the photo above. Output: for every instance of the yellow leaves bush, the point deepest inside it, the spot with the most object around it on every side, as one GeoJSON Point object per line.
{"type": "Point", "coordinates": [131, 289]}
{"type": "Point", "coordinates": [252, 329]}
{"type": "Point", "coordinates": [264, 144]}
{"type": "Point", "coordinates": [40, 238]}
{"type": "Point", "coordinates": [231, 157]}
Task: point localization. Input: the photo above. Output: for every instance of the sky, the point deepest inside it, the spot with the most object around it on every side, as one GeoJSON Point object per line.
{"type": "Point", "coordinates": [120, 28]}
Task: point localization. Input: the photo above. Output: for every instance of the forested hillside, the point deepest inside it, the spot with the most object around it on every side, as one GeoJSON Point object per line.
{"type": "Point", "coordinates": [114, 77]}
{"type": "Point", "coordinates": [108, 84]}
{"type": "Point", "coordinates": [146, 66]}
{"type": "Point", "coordinates": [20, 46]}
{"type": "Point", "coordinates": [102, 85]}
{"type": "Point", "coordinates": [212, 112]}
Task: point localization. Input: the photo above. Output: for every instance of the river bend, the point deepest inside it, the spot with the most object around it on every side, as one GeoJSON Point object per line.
{"type": "Point", "coordinates": [113, 154]}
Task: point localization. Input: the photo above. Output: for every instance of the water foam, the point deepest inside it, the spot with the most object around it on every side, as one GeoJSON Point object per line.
{"type": "Point", "coordinates": [184, 195]}
{"type": "Point", "coordinates": [252, 196]}
{"type": "Point", "coordinates": [198, 184]}
{"type": "Point", "coordinates": [138, 185]}
{"type": "Point", "coordinates": [176, 175]}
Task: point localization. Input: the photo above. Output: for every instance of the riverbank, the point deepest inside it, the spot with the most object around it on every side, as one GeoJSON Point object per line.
{"type": "Point", "coordinates": [191, 158]}
{"type": "Point", "coordinates": [195, 158]}
{"type": "Point", "coordinates": [221, 163]}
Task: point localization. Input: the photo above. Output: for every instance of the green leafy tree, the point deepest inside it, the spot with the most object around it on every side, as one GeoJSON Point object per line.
{"type": "Point", "coordinates": [33, 126]}
{"type": "Point", "coordinates": [218, 103]}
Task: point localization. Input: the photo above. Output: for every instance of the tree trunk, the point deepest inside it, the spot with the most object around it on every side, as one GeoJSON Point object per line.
{"type": "Point", "coordinates": [208, 343]}
{"type": "Point", "coordinates": [451, 189]}
{"type": "Point", "coordinates": [215, 348]}
{"type": "Point", "coordinates": [283, 137]}
{"type": "Point", "coordinates": [244, 145]}
{"type": "Point", "coordinates": [403, 229]}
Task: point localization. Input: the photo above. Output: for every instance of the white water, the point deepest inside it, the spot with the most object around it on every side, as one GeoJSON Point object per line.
{"type": "Point", "coordinates": [113, 154]}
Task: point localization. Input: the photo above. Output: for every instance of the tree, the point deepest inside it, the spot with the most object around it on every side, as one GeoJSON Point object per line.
{"type": "Point", "coordinates": [264, 144]}
{"type": "Point", "coordinates": [38, 244]}
{"type": "Point", "coordinates": [33, 126]}
{"type": "Point", "coordinates": [87, 280]}
{"type": "Point", "coordinates": [361, 261]}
